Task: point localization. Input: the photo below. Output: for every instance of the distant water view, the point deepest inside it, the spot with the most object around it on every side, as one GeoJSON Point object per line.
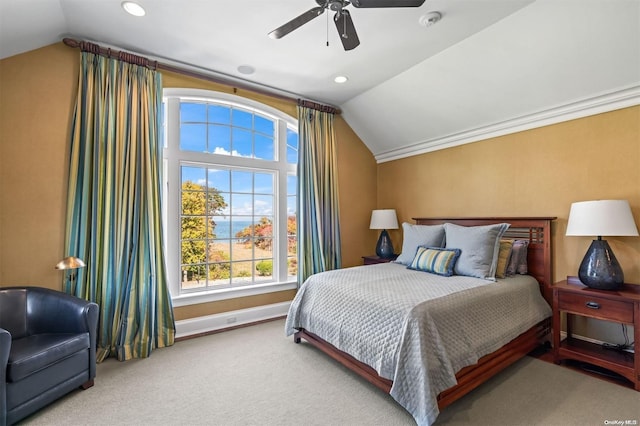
{"type": "Point", "coordinates": [224, 230]}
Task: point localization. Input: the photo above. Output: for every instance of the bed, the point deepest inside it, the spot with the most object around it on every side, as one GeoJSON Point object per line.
{"type": "Point", "coordinates": [425, 338]}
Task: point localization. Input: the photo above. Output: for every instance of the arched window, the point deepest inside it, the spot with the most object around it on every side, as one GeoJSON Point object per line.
{"type": "Point", "coordinates": [230, 197]}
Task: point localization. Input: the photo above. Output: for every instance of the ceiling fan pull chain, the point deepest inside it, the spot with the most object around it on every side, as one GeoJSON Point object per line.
{"type": "Point", "coordinates": [327, 30]}
{"type": "Point", "coordinates": [344, 28]}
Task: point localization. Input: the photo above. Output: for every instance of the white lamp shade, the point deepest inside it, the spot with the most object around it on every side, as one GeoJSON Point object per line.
{"type": "Point", "coordinates": [384, 219]}
{"type": "Point", "coordinates": [601, 218]}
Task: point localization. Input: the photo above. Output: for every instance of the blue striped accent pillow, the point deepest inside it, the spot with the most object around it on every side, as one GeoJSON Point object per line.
{"type": "Point", "coordinates": [435, 260]}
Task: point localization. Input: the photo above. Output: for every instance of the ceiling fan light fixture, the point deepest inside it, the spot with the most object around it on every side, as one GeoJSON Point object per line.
{"type": "Point", "coordinates": [430, 18]}
{"type": "Point", "coordinates": [133, 8]}
{"type": "Point", "coordinates": [341, 79]}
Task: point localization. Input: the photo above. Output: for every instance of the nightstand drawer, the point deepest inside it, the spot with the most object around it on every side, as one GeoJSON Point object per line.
{"type": "Point", "coordinates": [596, 307]}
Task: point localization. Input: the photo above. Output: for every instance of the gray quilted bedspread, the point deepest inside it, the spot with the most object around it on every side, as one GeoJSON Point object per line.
{"type": "Point", "coordinates": [415, 328]}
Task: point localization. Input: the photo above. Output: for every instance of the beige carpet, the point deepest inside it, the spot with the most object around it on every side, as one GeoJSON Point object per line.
{"type": "Point", "coordinates": [257, 376]}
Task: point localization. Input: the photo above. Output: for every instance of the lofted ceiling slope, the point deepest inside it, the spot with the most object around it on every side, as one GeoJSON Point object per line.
{"type": "Point", "coordinates": [489, 67]}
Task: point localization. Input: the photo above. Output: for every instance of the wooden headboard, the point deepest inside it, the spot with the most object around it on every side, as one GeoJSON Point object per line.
{"type": "Point", "coordinates": [537, 230]}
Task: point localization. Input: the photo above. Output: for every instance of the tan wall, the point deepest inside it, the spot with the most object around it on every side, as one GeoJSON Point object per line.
{"type": "Point", "coordinates": [539, 172]}
{"type": "Point", "coordinates": [37, 95]}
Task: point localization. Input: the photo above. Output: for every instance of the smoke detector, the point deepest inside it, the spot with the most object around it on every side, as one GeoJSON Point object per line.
{"type": "Point", "coordinates": [430, 18]}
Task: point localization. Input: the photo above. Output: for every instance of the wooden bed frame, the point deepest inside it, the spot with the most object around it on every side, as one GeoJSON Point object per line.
{"type": "Point", "coordinates": [537, 230]}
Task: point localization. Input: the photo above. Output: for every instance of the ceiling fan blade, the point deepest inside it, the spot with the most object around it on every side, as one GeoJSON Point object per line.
{"type": "Point", "coordinates": [297, 22]}
{"type": "Point", "coordinates": [346, 30]}
{"type": "Point", "coordinates": [386, 3]}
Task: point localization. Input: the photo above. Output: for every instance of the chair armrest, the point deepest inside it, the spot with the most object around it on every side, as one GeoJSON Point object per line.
{"type": "Point", "coordinates": [5, 347]}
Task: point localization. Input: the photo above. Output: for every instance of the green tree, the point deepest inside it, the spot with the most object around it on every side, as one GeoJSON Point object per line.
{"type": "Point", "coordinates": [199, 204]}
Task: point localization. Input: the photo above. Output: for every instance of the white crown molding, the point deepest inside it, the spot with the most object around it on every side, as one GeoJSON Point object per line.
{"type": "Point", "coordinates": [591, 106]}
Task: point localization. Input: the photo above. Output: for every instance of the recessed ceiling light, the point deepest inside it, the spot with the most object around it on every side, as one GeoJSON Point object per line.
{"type": "Point", "coordinates": [341, 79]}
{"type": "Point", "coordinates": [133, 8]}
{"type": "Point", "coordinates": [246, 69]}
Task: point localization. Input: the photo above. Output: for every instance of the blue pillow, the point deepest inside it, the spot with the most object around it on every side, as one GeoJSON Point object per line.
{"type": "Point", "coordinates": [419, 235]}
{"type": "Point", "coordinates": [435, 260]}
{"type": "Point", "coordinates": [480, 246]}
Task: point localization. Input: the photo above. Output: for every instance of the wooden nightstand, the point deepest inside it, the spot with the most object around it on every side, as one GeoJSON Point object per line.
{"type": "Point", "coordinates": [621, 306]}
{"type": "Point", "coordinates": [372, 260]}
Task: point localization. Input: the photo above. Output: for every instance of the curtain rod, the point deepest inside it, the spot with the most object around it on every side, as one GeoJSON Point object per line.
{"type": "Point", "coordinates": [155, 65]}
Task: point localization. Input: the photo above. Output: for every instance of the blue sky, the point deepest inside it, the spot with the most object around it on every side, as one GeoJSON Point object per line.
{"type": "Point", "coordinates": [226, 130]}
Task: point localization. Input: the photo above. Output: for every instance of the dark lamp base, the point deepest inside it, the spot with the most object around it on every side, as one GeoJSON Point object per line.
{"type": "Point", "coordinates": [600, 268]}
{"type": "Point", "coordinates": [384, 248]}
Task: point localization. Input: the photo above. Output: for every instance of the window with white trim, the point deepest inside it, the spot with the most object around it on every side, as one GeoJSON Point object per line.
{"type": "Point", "coordinates": [230, 193]}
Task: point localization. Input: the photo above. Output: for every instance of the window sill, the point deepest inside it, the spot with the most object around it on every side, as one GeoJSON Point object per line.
{"type": "Point", "coordinates": [230, 293]}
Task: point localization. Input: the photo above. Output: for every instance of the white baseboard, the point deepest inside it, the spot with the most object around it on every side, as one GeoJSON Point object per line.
{"type": "Point", "coordinates": [229, 319]}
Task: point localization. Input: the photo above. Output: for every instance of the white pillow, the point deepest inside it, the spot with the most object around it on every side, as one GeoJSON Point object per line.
{"type": "Point", "coordinates": [418, 235]}
{"type": "Point", "coordinates": [479, 245]}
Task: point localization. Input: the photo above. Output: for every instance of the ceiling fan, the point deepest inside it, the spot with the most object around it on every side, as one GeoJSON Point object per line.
{"type": "Point", "coordinates": [342, 18]}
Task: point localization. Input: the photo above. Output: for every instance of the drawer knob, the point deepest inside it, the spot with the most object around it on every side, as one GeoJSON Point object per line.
{"type": "Point", "coordinates": [593, 305]}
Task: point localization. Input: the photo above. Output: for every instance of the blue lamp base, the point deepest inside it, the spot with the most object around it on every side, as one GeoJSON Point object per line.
{"type": "Point", "coordinates": [600, 268]}
{"type": "Point", "coordinates": [384, 248]}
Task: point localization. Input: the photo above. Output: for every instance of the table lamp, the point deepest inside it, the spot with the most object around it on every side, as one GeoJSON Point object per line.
{"type": "Point", "coordinates": [384, 219]}
{"type": "Point", "coordinates": [600, 268]}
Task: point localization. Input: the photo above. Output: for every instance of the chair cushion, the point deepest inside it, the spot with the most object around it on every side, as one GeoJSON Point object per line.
{"type": "Point", "coordinates": [32, 353]}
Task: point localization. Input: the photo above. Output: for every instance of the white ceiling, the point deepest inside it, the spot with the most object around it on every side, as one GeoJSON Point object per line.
{"type": "Point", "coordinates": [487, 68]}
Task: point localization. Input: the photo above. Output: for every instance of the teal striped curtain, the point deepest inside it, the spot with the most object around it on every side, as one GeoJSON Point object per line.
{"type": "Point", "coordinates": [114, 220]}
{"type": "Point", "coordinates": [318, 210]}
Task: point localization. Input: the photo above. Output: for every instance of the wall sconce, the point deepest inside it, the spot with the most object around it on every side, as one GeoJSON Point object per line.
{"type": "Point", "coordinates": [72, 263]}
{"type": "Point", "coordinates": [384, 219]}
{"type": "Point", "coordinates": [600, 268]}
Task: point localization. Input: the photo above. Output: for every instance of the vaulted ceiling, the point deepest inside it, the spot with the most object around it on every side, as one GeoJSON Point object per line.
{"type": "Point", "coordinates": [488, 67]}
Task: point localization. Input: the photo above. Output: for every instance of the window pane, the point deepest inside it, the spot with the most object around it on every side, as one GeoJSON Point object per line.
{"type": "Point", "coordinates": [219, 139]}
{"type": "Point", "coordinates": [219, 274]}
{"type": "Point", "coordinates": [195, 175]}
{"type": "Point", "coordinates": [241, 204]}
{"type": "Point", "coordinates": [226, 211]}
{"type": "Point", "coordinates": [193, 137]}
{"type": "Point", "coordinates": [216, 203]}
{"type": "Point", "coordinates": [220, 251]}
{"type": "Point", "coordinates": [219, 114]}
{"type": "Point", "coordinates": [219, 179]}
{"type": "Point", "coordinates": [193, 112]}
{"type": "Point", "coordinates": [222, 228]}
{"type": "Point", "coordinates": [263, 183]}
{"type": "Point", "coordinates": [196, 227]}
{"type": "Point", "coordinates": [292, 182]}
{"type": "Point", "coordinates": [264, 227]}
{"type": "Point", "coordinates": [291, 206]}
{"type": "Point", "coordinates": [264, 147]}
{"type": "Point", "coordinates": [241, 118]}
{"type": "Point", "coordinates": [241, 144]}
{"type": "Point", "coordinates": [193, 251]}
{"type": "Point", "coordinates": [263, 125]}
{"type": "Point", "coordinates": [242, 248]}
{"type": "Point", "coordinates": [264, 248]}
{"type": "Point", "coordinates": [263, 205]}
{"type": "Point", "coordinates": [292, 147]}
{"type": "Point", "coordinates": [241, 181]}
{"type": "Point", "coordinates": [193, 277]}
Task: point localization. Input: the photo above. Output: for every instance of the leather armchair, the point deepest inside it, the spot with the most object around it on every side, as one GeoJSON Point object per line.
{"type": "Point", "coordinates": [47, 348]}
